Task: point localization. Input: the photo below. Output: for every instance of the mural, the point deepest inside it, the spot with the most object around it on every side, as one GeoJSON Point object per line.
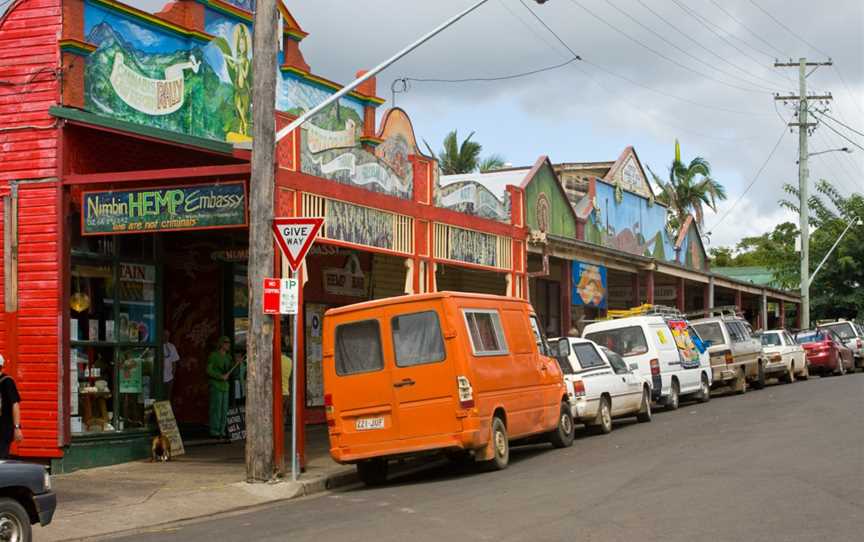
{"type": "Point", "coordinates": [472, 247]}
{"type": "Point", "coordinates": [472, 198]}
{"type": "Point", "coordinates": [547, 208]}
{"type": "Point", "coordinates": [360, 225]}
{"type": "Point", "coordinates": [230, 55]}
{"type": "Point", "coordinates": [589, 285]}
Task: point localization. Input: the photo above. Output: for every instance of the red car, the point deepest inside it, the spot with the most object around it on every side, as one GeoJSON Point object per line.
{"type": "Point", "coordinates": [826, 353]}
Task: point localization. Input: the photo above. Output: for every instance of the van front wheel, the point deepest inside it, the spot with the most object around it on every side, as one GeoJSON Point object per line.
{"type": "Point", "coordinates": [373, 472]}
{"type": "Point", "coordinates": [562, 436]}
{"type": "Point", "coordinates": [500, 446]}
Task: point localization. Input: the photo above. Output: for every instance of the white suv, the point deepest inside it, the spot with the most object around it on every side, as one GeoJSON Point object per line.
{"type": "Point", "coordinates": [665, 352]}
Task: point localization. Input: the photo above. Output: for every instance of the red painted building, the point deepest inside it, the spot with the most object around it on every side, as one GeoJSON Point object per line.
{"type": "Point", "coordinates": [123, 177]}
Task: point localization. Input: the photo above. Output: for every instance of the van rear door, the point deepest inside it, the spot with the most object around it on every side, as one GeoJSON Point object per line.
{"type": "Point", "coordinates": [362, 394]}
{"type": "Point", "coordinates": [424, 381]}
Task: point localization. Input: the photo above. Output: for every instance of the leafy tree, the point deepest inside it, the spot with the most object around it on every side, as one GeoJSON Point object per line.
{"type": "Point", "coordinates": [456, 158]}
{"type": "Point", "coordinates": [689, 189]}
{"type": "Point", "coordinates": [722, 257]}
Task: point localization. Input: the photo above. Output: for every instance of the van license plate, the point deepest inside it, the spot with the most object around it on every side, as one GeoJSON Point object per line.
{"type": "Point", "coordinates": [367, 424]}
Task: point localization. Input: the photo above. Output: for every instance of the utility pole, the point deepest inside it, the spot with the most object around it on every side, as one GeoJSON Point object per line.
{"type": "Point", "coordinates": [259, 341]}
{"type": "Point", "coordinates": [803, 172]}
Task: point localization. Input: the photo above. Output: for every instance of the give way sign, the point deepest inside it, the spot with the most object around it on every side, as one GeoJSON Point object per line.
{"type": "Point", "coordinates": [295, 237]}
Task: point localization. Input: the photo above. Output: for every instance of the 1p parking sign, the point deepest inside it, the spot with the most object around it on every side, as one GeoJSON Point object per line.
{"type": "Point", "coordinates": [288, 296]}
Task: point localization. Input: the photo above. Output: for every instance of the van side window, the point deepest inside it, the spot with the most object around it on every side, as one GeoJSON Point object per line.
{"type": "Point", "coordinates": [358, 348]}
{"type": "Point", "coordinates": [487, 336]}
{"type": "Point", "coordinates": [736, 331]}
{"type": "Point", "coordinates": [417, 339]}
{"type": "Point", "coordinates": [539, 338]}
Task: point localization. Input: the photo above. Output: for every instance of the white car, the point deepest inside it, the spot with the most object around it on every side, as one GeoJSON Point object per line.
{"type": "Point", "coordinates": [784, 358]}
{"type": "Point", "coordinates": [602, 384]}
{"type": "Point", "coordinates": [665, 352]}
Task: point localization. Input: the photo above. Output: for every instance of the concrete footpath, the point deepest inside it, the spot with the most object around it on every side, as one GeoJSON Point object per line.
{"type": "Point", "coordinates": [207, 481]}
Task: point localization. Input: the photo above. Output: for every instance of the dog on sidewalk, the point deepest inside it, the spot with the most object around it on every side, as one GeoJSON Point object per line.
{"type": "Point", "coordinates": [160, 449]}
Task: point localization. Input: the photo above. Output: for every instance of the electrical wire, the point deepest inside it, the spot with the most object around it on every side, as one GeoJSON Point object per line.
{"type": "Point", "coordinates": [498, 78]}
{"type": "Point", "coordinates": [849, 92]}
{"type": "Point", "coordinates": [787, 29]}
{"type": "Point", "coordinates": [662, 55]}
{"type": "Point", "coordinates": [825, 113]}
{"type": "Point", "coordinates": [690, 55]}
{"type": "Point", "coordinates": [747, 28]}
{"type": "Point", "coordinates": [752, 182]}
{"type": "Point", "coordinates": [827, 125]}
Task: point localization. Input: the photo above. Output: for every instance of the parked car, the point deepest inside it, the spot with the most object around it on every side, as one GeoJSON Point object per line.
{"type": "Point", "coordinates": [784, 358]}
{"type": "Point", "coordinates": [852, 336]}
{"type": "Point", "coordinates": [444, 372]}
{"type": "Point", "coordinates": [664, 352]}
{"type": "Point", "coordinates": [603, 385]}
{"type": "Point", "coordinates": [26, 498]}
{"type": "Point", "coordinates": [826, 352]}
{"type": "Point", "coordinates": [736, 357]}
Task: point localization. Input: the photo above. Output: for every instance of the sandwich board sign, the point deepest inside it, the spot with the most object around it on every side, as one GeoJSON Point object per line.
{"type": "Point", "coordinates": [295, 237]}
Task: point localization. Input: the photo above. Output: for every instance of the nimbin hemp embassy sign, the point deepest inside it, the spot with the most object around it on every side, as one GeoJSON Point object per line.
{"type": "Point", "coordinates": [164, 209]}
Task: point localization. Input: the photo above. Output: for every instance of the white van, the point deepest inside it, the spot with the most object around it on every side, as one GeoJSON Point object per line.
{"type": "Point", "coordinates": [665, 351]}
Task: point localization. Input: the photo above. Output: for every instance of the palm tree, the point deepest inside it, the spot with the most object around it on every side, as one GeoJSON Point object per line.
{"type": "Point", "coordinates": [454, 158]}
{"type": "Point", "coordinates": [690, 189]}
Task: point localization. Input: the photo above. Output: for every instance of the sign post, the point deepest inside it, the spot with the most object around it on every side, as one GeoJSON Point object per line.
{"type": "Point", "coordinates": [295, 237]}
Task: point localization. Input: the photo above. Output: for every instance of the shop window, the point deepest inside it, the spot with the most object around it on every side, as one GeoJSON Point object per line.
{"type": "Point", "coordinates": [136, 247]}
{"type": "Point", "coordinates": [417, 339]}
{"type": "Point", "coordinates": [94, 246]}
{"type": "Point", "coordinates": [91, 383]}
{"type": "Point", "coordinates": [91, 302]}
{"type": "Point", "coordinates": [240, 308]}
{"type": "Point", "coordinates": [358, 348]}
{"type": "Point", "coordinates": [487, 336]}
{"type": "Point", "coordinates": [547, 303]}
{"type": "Point", "coordinates": [136, 319]}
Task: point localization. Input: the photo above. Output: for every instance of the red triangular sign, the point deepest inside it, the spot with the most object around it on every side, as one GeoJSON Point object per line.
{"type": "Point", "coordinates": [295, 237]}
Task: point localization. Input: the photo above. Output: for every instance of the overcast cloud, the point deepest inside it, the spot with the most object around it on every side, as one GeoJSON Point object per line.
{"type": "Point", "coordinates": [581, 113]}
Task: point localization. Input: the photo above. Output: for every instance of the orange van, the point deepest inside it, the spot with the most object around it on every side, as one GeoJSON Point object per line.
{"type": "Point", "coordinates": [447, 372]}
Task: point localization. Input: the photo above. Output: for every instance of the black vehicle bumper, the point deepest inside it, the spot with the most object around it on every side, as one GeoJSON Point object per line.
{"type": "Point", "coordinates": [45, 505]}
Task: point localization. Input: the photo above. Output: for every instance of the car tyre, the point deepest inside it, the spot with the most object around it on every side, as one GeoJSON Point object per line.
{"type": "Point", "coordinates": [603, 422]}
{"type": "Point", "coordinates": [644, 414]}
{"type": "Point", "coordinates": [805, 374]}
{"type": "Point", "coordinates": [501, 446]}
{"type": "Point", "coordinates": [789, 377]}
{"type": "Point", "coordinates": [562, 436]}
{"type": "Point", "coordinates": [373, 472]}
{"type": "Point", "coordinates": [704, 390]}
{"type": "Point", "coordinates": [740, 385]}
{"type": "Point", "coordinates": [14, 521]}
{"type": "Point", "coordinates": [841, 367]}
{"type": "Point", "coordinates": [674, 399]}
{"type": "Point", "coordinates": [759, 383]}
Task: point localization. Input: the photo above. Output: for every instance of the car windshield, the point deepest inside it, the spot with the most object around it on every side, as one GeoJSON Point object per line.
{"type": "Point", "coordinates": [844, 329]}
{"type": "Point", "coordinates": [710, 332]}
{"type": "Point", "coordinates": [771, 339]}
{"type": "Point", "coordinates": [810, 337]}
{"type": "Point", "coordinates": [626, 341]}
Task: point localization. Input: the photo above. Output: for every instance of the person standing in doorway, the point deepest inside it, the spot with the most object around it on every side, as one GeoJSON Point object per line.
{"type": "Point", "coordinates": [10, 411]}
{"type": "Point", "coordinates": [287, 366]}
{"type": "Point", "coordinates": [218, 372]}
{"type": "Point", "coordinates": [170, 360]}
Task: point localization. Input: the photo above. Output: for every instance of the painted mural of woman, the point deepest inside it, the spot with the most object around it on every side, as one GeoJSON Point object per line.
{"type": "Point", "coordinates": [239, 68]}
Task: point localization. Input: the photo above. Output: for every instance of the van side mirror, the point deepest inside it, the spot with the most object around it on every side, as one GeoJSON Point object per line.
{"type": "Point", "coordinates": [563, 350]}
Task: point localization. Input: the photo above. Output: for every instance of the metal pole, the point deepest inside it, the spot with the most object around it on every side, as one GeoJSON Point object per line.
{"type": "Point", "coordinates": [802, 187]}
{"type": "Point", "coordinates": [295, 457]}
{"type": "Point", "coordinates": [837, 242]}
{"type": "Point", "coordinates": [371, 73]}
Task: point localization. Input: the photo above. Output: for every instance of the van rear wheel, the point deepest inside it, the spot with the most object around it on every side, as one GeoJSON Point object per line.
{"type": "Point", "coordinates": [562, 436]}
{"type": "Point", "coordinates": [373, 472]}
{"type": "Point", "coordinates": [500, 443]}
{"type": "Point", "coordinates": [704, 390]}
{"type": "Point", "coordinates": [674, 398]}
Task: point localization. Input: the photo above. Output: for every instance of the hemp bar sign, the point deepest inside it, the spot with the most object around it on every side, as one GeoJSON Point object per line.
{"type": "Point", "coordinates": [145, 210]}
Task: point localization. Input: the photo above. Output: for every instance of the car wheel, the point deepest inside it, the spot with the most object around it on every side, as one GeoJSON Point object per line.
{"type": "Point", "coordinates": [603, 422]}
{"type": "Point", "coordinates": [673, 401]}
{"type": "Point", "coordinates": [805, 374]}
{"type": "Point", "coordinates": [373, 472]}
{"type": "Point", "coordinates": [14, 521]}
{"type": "Point", "coordinates": [841, 367]}
{"type": "Point", "coordinates": [789, 377]}
{"type": "Point", "coordinates": [562, 436]}
{"type": "Point", "coordinates": [704, 391]}
{"type": "Point", "coordinates": [500, 445]}
{"type": "Point", "coordinates": [644, 414]}
{"type": "Point", "coordinates": [759, 383]}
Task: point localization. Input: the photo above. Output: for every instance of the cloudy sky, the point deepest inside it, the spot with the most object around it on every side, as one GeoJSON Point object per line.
{"type": "Point", "coordinates": [653, 70]}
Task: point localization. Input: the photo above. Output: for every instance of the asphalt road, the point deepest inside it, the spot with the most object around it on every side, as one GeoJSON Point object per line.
{"type": "Point", "coordinates": [783, 463]}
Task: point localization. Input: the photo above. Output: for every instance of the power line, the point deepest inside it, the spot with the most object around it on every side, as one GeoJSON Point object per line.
{"type": "Point", "coordinates": [745, 27]}
{"type": "Point", "coordinates": [849, 92]}
{"type": "Point", "coordinates": [825, 113]}
{"type": "Point", "coordinates": [498, 78]}
{"type": "Point", "coordinates": [621, 76]}
{"type": "Point", "coordinates": [687, 53]}
{"type": "Point", "coordinates": [661, 54]}
{"type": "Point", "coordinates": [749, 186]}
{"type": "Point", "coordinates": [817, 113]}
{"type": "Point", "coordinates": [794, 34]}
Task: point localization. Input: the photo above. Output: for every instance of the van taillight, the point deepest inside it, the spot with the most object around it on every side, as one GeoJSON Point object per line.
{"type": "Point", "coordinates": [728, 356]}
{"type": "Point", "coordinates": [328, 399]}
{"type": "Point", "coordinates": [466, 393]}
{"type": "Point", "coordinates": [578, 388]}
{"type": "Point", "coordinates": [328, 409]}
{"type": "Point", "coordinates": [655, 367]}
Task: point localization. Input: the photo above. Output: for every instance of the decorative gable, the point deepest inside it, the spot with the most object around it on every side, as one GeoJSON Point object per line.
{"type": "Point", "coordinates": [547, 209]}
{"type": "Point", "coordinates": [629, 174]}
